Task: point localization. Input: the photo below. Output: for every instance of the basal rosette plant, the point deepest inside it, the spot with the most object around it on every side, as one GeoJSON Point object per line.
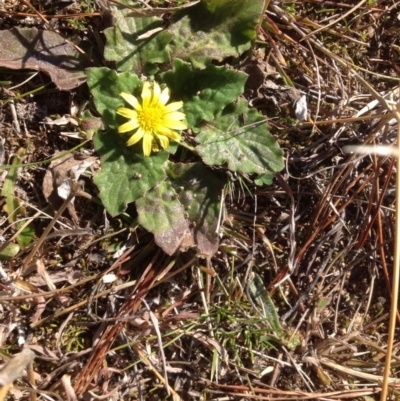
{"type": "Point", "coordinates": [165, 131]}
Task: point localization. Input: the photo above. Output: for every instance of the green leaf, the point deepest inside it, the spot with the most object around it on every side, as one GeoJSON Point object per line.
{"type": "Point", "coordinates": [260, 294]}
{"type": "Point", "coordinates": [199, 191]}
{"type": "Point", "coordinates": [239, 138]}
{"type": "Point", "coordinates": [13, 206]}
{"type": "Point", "coordinates": [204, 92]}
{"type": "Point", "coordinates": [264, 179]}
{"type": "Point", "coordinates": [106, 86]}
{"type": "Point", "coordinates": [126, 174]}
{"type": "Point", "coordinates": [128, 50]}
{"type": "Point", "coordinates": [161, 213]}
{"type": "Point", "coordinates": [9, 252]}
{"type": "Point", "coordinates": [214, 30]}
{"type": "Point", "coordinates": [26, 235]}
{"type": "Point", "coordinates": [183, 211]}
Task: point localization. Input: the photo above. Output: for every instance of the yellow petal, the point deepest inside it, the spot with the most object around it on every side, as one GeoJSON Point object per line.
{"type": "Point", "coordinates": [173, 124]}
{"type": "Point", "coordinates": [146, 95]}
{"type": "Point", "coordinates": [162, 130]}
{"type": "Point", "coordinates": [156, 92]}
{"type": "Point", "coordinates": [130, 99]}
{"type": "Point", "coordinates": [135, 138]}
{"type": "Point", "coordinates": [128, 113]}
{"type": "Point", "coordinates": [174, 115]}
{"type": "Point", "coordinates": [164, 141]}
{"type": "Point", "coordinates": [173, 106]}
{"type": "Point", "coordinates": [164, 97]}
{"type": "Point", "coordinates": [127, 127]}
{"type": "Point", "coordinates": [147, 144]}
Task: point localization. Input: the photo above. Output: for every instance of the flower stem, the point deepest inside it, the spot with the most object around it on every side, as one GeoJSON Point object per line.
{"type": "Point", "coordinates": [191, 148]}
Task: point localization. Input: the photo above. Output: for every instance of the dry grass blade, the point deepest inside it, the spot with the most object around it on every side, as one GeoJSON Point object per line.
{"type": "Point", "coordinates": [329, 211]}
{"type": "Point", "coordinates": [334, 22]}
{"type": "Point", "coordinates": [262, 393]}
{"type": "Point", "coordinates": [357, 373]}
{"type": "Point", "coordinates": [394, 151]}
{"type": "Point", "coordinates": [74, 191]}
{"type": "Point", "coordinates": [144, 357]}
{"type": "Point", "coordinates": [128, 309]}
{"type": "Point", "coordinates": [159, 10]}
{"type": "Point", "coordinates": [396, 272]}
{"type": "Point", "coordinates": [160, 345]}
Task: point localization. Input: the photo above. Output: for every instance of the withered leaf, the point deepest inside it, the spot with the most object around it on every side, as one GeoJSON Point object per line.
{"type": "Point", "coordinates": [184, 211]}
{"type": "Point", "coordinates": [45, 51]}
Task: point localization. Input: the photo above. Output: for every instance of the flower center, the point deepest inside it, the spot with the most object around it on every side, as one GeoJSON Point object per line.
{"type": "Point", "coordinates": [149, 118]}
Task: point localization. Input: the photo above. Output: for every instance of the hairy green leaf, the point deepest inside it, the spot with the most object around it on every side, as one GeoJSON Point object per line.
{"type": "Point", "coordinates": [183, 211]}
{"type": "Point", "coordinates": [161, 213]}
{"type": "Point", "coordinates": [204, 92]}
{"type": "Point", "coordinates": [199, 191]}
{"type": "Point", "coordinates": [239, 138]}
{"type": "Point", "coordinates": [136, 44]}
{"type": "Point", "coordinates": [214, 30]}
{"type": "Point", "coordinates": [126, 174]}
{"type": "Point", "coordinates": [106, 86]}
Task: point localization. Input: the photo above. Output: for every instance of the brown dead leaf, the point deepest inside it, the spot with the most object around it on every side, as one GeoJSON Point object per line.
{"type": "Point", "coordinates": [45, 51]}
{"type": "Point", "coordinates": [24, 286]}
{"type": "Point", "coordinates": [71, 277]}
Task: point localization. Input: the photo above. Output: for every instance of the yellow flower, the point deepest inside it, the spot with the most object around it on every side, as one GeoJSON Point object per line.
{"type": "Point", "coordinates": [152, 119]}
